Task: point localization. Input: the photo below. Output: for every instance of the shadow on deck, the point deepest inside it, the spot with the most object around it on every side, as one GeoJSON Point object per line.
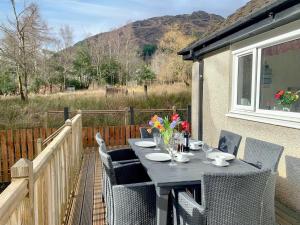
{"type": "Point", "coordinates": [88, 208]}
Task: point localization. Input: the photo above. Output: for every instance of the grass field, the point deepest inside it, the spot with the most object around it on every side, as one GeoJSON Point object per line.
{"type": "Point", "coordinates": [17, 114]}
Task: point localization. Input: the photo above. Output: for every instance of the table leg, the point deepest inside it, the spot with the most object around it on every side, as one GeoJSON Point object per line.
{"type": "Point", "coordinates": [162, 196]}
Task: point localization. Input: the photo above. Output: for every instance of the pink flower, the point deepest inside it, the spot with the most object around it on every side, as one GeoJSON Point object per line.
{"type": "Point", "coordinates": [175, 117]}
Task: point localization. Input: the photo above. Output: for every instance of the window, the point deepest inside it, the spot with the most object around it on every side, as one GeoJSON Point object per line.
{"type": "Point", "coordinates": [280, 70]}
{"type": "Point", "coordinates": [244, 80]}
{"type": "Point", "coordinates": [266, 79]}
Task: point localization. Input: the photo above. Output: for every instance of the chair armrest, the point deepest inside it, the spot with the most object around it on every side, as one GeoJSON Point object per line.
{"type": "Point", "coordinates": [134, 204]}
{"type": "Point", "coordinates": [185, 198]}
{"type": "Point", "coordinates": [187, 210]}
{"type": "Point", "coordinates": [119, 163]}
{"type": "Point", "coordinates": [131, 173]}
{"type": "Point", "coordinates": [122, 154]}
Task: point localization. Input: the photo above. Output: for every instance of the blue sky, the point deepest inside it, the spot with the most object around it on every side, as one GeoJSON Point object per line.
{"type": "Point", "coordinates": [89, 17]}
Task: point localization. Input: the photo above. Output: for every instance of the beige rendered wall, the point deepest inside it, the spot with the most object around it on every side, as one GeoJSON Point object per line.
{"type": "Point", "coordinates": [217, 100]}
{"type": "Point", "coordinates": [195, 100]}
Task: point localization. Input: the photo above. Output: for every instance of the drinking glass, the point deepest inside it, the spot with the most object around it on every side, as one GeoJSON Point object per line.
{"type": "Point", "coordinates": [157, 140]}
{"type": "Point", "coordinates": [206, 149]}
{"type": "Point", "coordinates": [172, 151]}
{"type": "Point", "coordinates": [177, 136]}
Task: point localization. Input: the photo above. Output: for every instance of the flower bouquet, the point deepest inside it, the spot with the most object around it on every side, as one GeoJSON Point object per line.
{"type": "Point", "coordinates": [286, 98]}
{"type": "Point", "coordinates": [166, 126]}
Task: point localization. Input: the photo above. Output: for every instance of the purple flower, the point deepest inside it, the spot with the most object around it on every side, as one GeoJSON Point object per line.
{"type": "Point", "coordinates": [151, 123]}
{"type": "Point", "coordinates": [173, 124]}
{"type": "Point", "coordinates": [160, 120]}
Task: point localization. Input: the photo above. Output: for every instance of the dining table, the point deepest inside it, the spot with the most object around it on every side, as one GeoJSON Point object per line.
{"type": "Point", "coordinates": [166, 177]}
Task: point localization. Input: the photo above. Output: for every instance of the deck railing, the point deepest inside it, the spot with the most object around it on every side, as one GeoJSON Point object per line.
{"type": "Point", "coordinates": [41, 189]}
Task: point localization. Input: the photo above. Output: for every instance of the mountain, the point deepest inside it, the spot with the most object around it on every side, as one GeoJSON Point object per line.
{"type": "Point", "coordinates": [150, 31]}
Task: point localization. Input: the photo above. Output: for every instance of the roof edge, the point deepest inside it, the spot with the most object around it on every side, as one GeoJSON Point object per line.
{"type": "Point", "coordinates": [241, 24]}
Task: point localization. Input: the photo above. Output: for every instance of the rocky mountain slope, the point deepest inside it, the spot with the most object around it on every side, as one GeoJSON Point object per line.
{"type": "Point", "coordinates": [150, 31]}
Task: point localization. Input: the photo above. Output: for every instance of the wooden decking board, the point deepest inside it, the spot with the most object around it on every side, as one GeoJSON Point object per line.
{"type": "Point", "coordinates": [76, 210]}
{"type": "Point", "coordinates": [88, 208]}
{"type": "Point", "coordinates": [99, 208]}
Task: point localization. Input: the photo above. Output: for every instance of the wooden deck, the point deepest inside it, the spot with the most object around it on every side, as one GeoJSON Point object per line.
{"type": "Point", "coordinates": [88, 208]}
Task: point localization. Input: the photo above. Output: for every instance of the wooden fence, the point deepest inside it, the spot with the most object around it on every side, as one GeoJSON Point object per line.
{"type": "Point", "coordinates": [16, 144]}
{"type": "Point", "coordinates": [41, 189]}
{"type": "Point", "coordinates": [128, 115]}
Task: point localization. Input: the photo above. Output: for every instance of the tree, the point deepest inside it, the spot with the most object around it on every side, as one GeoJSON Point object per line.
{"type": "Point", "coordinates": [166, 63]}
{"type": "Point", "coordinates": [110, 70]}
{"type": "Point", "coordinates": [144, 73]}
{"type": "Point", "coordinates": [23, 38]}
{"type": "Point", "coordinates": [7, 83]}
{"type": "Point", "coordinates": [66, 54]}
{"type": "Point", "coordinates": [148, 51]}
{"type": "Point", "coordinates": [82, 66]}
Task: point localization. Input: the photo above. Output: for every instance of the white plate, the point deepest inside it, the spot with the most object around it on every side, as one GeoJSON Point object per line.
{"type": "Point", "coordinates": [196, 142]}
{"type": "Point", "coordinates": [225, 164]}
{"type": "Point", "coordinates": [195, 149]}
{"type": "Point", "coordinates": [145, 144]}
{"type": "Point", "coordinates": [159, 157]}
{"type": "Point", "coordinates": [183, 160]}
{"type": "Point", "coordinates": [186, 153]}
{"type": "Point", "coordinates": [227, 156]}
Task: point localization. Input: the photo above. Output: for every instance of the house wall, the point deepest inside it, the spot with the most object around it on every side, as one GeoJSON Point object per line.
{"type": "Point", "coordinates": [216, 104]}
{"type": "Point", "coordinates": [195, 99]}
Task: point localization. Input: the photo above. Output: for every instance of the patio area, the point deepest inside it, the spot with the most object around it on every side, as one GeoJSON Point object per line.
{"type": "Point", "coordinates": [88, 208]}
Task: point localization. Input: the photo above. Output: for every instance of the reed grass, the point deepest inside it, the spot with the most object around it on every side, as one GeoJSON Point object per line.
{"type": "Point", "coordinates": [15, 113]}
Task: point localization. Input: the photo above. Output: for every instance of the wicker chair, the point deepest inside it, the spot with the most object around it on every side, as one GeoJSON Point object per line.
{"type": "Point", "coordinates": [263, 154]}
{"type": "Point", "coordinates": [131, 197]}
{"type": "Point", "coordinates": [268, 213]}
{"type": "Point", "coordinates": [229, 142]}
{"type": "Point", "coordinates": [231, 199]}
{"type": "Point", "coordinates": [120, 156]}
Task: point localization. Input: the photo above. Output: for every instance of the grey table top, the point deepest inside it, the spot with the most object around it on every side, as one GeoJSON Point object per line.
{"type": "Point", "coordinates": [189, 173]}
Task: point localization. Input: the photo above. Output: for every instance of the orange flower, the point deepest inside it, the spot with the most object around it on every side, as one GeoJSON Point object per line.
{"type": "Point", "coordinates": [154, 118]}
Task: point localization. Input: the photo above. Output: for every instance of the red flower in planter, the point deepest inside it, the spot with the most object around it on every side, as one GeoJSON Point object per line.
{"type": "Point", "coordinates": [185, 125]}
{"type": "Point", "coordinates": [279, 94]}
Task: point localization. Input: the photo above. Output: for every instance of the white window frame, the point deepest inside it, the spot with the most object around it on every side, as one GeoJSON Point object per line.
{"type": "Point", "coordinates": [235, 80]}
{"type": "Point", "coordinates": [253, 112]}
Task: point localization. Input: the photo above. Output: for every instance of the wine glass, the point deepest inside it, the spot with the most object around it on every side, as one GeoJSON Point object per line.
{"type": "Point", "coordinates": [206, 149]}
{"type": "Point", "coordinates": [157, 140]}
{"type": "Point", "coordinates": [177, 137]}
{"type": "Point", "coordinates": [172, 151]}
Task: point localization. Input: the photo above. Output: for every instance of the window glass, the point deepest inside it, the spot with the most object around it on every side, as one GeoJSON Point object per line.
{"type": "Point", "coordinates": [280, 77]}
{"type": "Point", "coordinates": [244, 81]}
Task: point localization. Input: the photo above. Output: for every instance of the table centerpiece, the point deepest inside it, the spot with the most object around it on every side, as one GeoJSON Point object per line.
{"type": "Point", "coordinates": [167, 126]}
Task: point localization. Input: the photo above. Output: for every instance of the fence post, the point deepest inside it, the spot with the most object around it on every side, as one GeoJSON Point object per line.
{"type": "Point", "coordinates": [131, 110]}
{"type": "Point", "coordinates": [46, 120]}
{"type": "Point", "coordinates": [68, 122]}
{"type": "Point", "coordinates": [23, 169]}
{"type": "Point", "coordinates": [146, 90]}
{"type": "Point", "coordinates": [126, 116]}
{"type": "Point", "coordinates": [39, 146]}
{"type": "Point", "coordinates": [66, 113]}
{"type": "Point", "coordinates": [189, 114]}
{"type": "Point", "coordinates": [174, 109]}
